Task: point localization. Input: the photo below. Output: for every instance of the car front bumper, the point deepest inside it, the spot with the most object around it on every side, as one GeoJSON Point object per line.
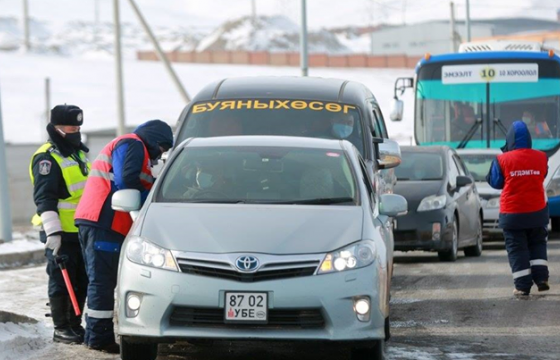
{"type": "Point", "coordinates": [490, 225]}
{"type": "Point", "coordinates": [554, 206]}
{"type": "Point", "coordinates": [414, 231]}
{"type": "Point", "coordinates": [331, 295]}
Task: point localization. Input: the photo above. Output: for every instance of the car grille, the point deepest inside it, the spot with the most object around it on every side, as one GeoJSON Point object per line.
{"type": "Point", "coordinates": [277, 319]}
{"type": "Point", "coordinates": [490, 224]}
{"type": "Point", "coordinates": [272, 271]}
{"type": "Point", "coordinates": [408, 235]}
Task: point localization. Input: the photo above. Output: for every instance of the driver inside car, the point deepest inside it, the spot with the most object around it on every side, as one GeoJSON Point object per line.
{"type": "Point", "coordinates": [210, 183]}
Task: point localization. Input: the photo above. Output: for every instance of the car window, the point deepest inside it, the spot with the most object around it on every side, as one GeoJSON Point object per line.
{"type": "Point", "coordinates": [368, 182]}
{"type": "Point", "coordinates": [419, 166]}
{"type": "Point", "coordinates": [379, 123]}
{"type": "Point", "coordinates": [260, 175]}
{"type": "Point", "coordinates": [478, 164]}
{"type": "Point", "coordinates": [278, 117]}
{"type": "Point", "coordinates": [453, 171]}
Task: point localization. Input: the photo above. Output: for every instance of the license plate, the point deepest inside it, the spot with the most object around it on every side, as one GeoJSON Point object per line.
{"type": "Point", "coordinates": [250, 307]}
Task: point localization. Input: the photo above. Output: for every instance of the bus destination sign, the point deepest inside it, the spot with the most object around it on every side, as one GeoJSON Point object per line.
{"type": "Point", "coordinates": [484, 73]}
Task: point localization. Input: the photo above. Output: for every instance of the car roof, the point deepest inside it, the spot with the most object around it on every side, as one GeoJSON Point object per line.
{"type": "Point", "coordinates": [425, 149]}
{"type": "Point", "coordinates": [479, 151]}
{"type": "Point", "coordinates": [285, 87]}
{"type": "Point", "coordinates": [276, 141]}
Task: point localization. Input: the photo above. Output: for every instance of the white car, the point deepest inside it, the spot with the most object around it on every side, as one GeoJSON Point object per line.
{"type": "Point", "coordinates": [478, 162]}
{"type": "Point", "coordinates": [261, 238]}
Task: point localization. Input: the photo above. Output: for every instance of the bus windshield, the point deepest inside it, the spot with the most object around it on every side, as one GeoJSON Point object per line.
{"type": "Point", "coordinates": [278, 117]}
{"type": "Point", "coordinates": [473, 105]}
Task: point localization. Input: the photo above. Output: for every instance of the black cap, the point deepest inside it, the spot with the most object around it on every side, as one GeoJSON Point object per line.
{"type": "Point", "coordinates": [67, 115]}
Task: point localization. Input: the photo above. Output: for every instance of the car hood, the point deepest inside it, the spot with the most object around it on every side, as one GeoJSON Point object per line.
{"type": "Point", "coordinates": [485, 190]}
{"type": "Point", "coordinates": [415, 191]}
{"type": "Point", "coordinates": [270, 229]}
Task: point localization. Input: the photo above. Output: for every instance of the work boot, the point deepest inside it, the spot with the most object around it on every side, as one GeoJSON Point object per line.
{"type": "Point", "coordinates": [112, 348]}
{"type": "Point", "coordinates": [520, 293]}
{"type": "Point", "coordinates": [543, 286]}
{"type": "Point", "coordinates": [62, 331]}
{"type": "Point", "coordinates": [74, 321]}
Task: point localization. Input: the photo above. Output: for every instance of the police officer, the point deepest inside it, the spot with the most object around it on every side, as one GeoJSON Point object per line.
{"type": "Point", "coordinates": [520, 171]}
{"type": "Point", "coordinates": [58, 171]}
{"type": "Point", "coordinates": [125, 163]}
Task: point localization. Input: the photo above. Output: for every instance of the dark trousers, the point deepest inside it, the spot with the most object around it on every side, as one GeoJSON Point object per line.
{"type": "Point", "coordinates": [101, 249]}
{"type": "Point", "coordinates": [527, 256]}
{"type": "Point", "coordinates": [74, 265]}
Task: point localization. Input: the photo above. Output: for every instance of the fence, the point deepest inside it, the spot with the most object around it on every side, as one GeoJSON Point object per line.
{"type": "Point", "coordinates": [285, 59]}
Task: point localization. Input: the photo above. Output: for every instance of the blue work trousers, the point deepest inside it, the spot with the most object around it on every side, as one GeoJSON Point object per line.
{"type": "Point", "coordinates": [101, 249]}
{"type": "Point", "coordinates": [527, 256]}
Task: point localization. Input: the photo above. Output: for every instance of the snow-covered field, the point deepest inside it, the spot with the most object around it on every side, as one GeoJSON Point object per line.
{"type": "Point", "coordinates": [90, 84]}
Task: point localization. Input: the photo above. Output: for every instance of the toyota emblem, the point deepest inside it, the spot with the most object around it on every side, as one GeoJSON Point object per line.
{"type": "Point", "coordinates": [247, 263]}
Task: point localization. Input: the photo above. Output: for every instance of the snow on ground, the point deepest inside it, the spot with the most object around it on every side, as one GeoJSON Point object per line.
{"type": "Point", "coordinates": [89, 83]}
{"type": "Point", "coordinates": [17, 341]}
{"type": "Point", "coordinates": [20, 245]}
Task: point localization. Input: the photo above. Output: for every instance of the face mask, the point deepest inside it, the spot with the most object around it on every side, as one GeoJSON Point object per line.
{"type": "Point", "coordinates": [204, 180]}
{"type": "Point", "coordinates": [342, 131]}
{"type": "Point", "coordinates": [74, 139]}
{"type": "Point", "coordinates": [527, 120]}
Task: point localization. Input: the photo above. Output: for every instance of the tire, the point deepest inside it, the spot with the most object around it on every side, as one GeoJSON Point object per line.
{"type": "Point", "coordinates": [375, 352]}
{"type": "Point", "coordinates": [387, 329]}
{"type": "Point", "coordinates": [137, 351]}
{"type": "Point", "coordinates": [476, 250]}
{"type": "Point", "coordinates": [451, 255]}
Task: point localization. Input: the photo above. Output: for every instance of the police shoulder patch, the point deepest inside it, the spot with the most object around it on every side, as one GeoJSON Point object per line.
{"type": "Point", "coordinates": [45, 167]}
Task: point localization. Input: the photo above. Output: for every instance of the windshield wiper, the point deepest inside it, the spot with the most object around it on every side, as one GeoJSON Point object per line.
{"type": "Point", "coordinates": [472, 130]}
{"type": "Point", "coordinates": [319, 201]}
{"type": "Point", "coordinates": [215, 201]}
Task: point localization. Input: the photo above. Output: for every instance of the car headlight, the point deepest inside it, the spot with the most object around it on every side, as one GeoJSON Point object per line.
{"type": "Point", "coordinates": [351, 257]}
{"type": "Point", "coordinates": [553, 187]}
{"type": "Point", "coordinates": [493, 203]}
{"type": "Point", "coordinates": [432, 202]}
{"type": "Point", "coordinates": [140, 251]}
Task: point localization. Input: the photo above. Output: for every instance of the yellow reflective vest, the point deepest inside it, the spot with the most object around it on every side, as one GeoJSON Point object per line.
{"type": "Point", "coordinates": [75, 184]}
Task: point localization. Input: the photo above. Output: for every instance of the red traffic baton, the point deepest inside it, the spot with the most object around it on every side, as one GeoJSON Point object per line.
{"type": "Point", "coordinates": [61, 261]}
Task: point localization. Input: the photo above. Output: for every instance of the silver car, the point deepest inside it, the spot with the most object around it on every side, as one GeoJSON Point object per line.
{"type": "Point", "coordinates": [257, 238]}
{"type": "Point", "coordinates": [478, 162]}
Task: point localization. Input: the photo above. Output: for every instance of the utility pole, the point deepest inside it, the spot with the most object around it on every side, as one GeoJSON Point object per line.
{"type": "Point", "coordinates": [161, 54]}
{"type": "Point", "coordinates": [303, 39]}
{"type": "Point", "coordinates": [453, 36]}
{"type": "Point", "coordinates": [5, 215]}
{"type": "Point", "coordinates": [121, 129]}
{"type": "Point", "coordinates": [47, 107]}
{"type": "Point", "coordinates": [254, 11]}
{"type": "Point", "coordinates": [26, 42]}
{"type": "Point", "coordinates": [468, 21]}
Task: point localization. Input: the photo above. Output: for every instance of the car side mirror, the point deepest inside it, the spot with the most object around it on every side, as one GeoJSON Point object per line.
{"type": "Point", "coordinates": [393, 205]}
{"type": "Point", "coordinates": [127, 200]}
{"type": "Point", "coordinates": [389, 154]}
{"type": "Point", "coordinates": [397, 109]}
{"type": "Point", "coordinates": [463, 181]}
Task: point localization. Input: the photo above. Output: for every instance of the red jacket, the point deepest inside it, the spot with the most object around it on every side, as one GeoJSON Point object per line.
{"type": "Point", "coordinates": [100, 187]}
{"type": "Point", "coordinates": [524, 171]}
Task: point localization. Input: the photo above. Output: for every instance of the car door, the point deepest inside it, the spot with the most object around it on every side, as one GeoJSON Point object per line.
{"type": "Point", "coordinates": [386, 228]}
{"type": "Point", "coordinates": [387, 177]}
{"type": "Point", "coordinates": [471, 201]}
{"type": "Point", "coordinates": [459, 195]}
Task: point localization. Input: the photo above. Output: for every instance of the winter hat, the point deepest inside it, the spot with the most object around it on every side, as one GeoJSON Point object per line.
{"type": "Point", "coordinates": [70, 115]}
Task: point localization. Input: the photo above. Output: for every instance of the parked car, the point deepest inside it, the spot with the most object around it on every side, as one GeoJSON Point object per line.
{"type": "Point", "coordinates": [296, 106]}
{"type": "Point", "coordinates": [257, 237]}
{"type": "Point", "coordinates": [478, 161]}
{"type": "Point", "coordinates": [444, 212]}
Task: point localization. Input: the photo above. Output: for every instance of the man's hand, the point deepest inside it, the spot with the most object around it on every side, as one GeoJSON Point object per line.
{"type": "Point", "coordinates": [54, 242]}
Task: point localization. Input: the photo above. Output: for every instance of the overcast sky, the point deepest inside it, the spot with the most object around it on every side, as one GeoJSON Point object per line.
{"type": "Point", "coordinates": [321, 13]}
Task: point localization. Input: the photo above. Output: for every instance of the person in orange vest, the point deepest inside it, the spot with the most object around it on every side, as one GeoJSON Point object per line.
{"type": "Point", "coordinates": [520, 171]}
{"type": "Point", "coordinates": [124, 163]}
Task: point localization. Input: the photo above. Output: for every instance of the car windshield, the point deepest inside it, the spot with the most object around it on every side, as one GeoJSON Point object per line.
{"type": "Point", "coordinates": [278, 175]}
{"type": "Point", "coordinates": [418, 166]}
{"type": "Point", "coordinates": [478, 164]}
{"type": "Point", "coordinates": [316, 119]}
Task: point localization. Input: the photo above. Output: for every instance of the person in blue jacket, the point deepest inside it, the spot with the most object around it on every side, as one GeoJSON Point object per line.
{"type": "Point", "coordinates": [520, 171]}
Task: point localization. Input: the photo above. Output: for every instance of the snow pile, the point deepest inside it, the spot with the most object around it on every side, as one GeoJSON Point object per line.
{"type": "Point", "coordinates": [268, 33]}
{"type": "Point", "coordinates": [20, 336]}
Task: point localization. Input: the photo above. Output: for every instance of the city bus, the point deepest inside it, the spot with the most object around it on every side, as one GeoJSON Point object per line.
{"type": "Point", "coordinates": [469, 99]}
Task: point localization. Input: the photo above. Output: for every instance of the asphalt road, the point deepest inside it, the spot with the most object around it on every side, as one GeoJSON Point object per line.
{"type": "Point", "coordinates": [440, 311]}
